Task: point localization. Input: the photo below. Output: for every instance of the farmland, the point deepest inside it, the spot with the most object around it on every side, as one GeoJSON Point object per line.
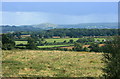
{"type": "Point", "coordinates": [20, 42]}
{"type": "Point", "coordinates": [39, 63]}
{"type": "Point", "coordinates": [58, 40]}
{"type": "Point", "coordinates": [51, 40]}
{"type": "Point", "coordinates": [51, 46]}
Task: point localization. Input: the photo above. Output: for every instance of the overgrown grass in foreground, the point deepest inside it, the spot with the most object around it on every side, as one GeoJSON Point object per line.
{"type": "Point", "coordinates": [38, 63]}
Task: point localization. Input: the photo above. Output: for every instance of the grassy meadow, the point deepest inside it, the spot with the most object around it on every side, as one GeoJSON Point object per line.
{"type": "Point", "coordinates": [39, 63]}
{"type": "Point", "coordinates": [20, 42]}
{"type": "Point", "coordinates": [51, 46]}
{"type": "Point", "coordinates": [51, 40]}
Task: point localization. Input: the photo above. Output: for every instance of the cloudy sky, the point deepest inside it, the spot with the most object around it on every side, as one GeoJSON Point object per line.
{"type": "Point", "coordinates": [22, 13]}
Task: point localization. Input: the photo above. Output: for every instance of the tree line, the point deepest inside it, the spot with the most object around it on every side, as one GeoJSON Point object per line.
{"type": "Point", "coordinates": [63, 33]}
{"type": "Point", "coordinates": [76, 33]}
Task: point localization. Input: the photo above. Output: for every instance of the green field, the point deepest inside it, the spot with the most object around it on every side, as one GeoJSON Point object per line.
{"type": "Point", "coordinates": [57, 40]}
{"type": "Point", "coordinates": [51, 40]}
{"type": "Point", "coordinates": [38, 63]}
{"type": "Point", "coordinates": [20, 42]}
{"type": "Point", "coordinates": [51, 46]}
{"type": "Point", "coordinates": [100, 39]}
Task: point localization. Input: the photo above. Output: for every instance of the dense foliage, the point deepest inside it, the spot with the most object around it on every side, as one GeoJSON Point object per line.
{"type": "Point", "coordinates": [64, 33]}
{"type": "Point", "coordinates": [112, 59]}
{"type": "Point", "coordinates": [77, 33]}
{"type": "Point", "coordinates": [31, 44]}
{"type": "Point", "coordinates": [7, 42]}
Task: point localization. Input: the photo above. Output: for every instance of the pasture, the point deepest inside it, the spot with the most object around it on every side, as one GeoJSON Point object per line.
{"type": "Point", "coordinates": [51, 46]}
{"type": "Point", "coordinates": [20, 42]}
{"type": "Point", "coordinates": [51, 40]}
{"type": "Point", "coordinates": [39, 63]}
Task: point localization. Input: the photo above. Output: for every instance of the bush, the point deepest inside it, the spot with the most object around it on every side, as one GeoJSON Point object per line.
{"type": "Point", "coordinates": [31, 44]}
{"type": "Point", "coordinates": [86, 49]}
{"type": "Point", "coordinates": [112, 59]}
{"type": "Point", "coordinates": [94, 47]}
{"type": "Point", "coordinates": [78, 47]}
{"type": "Point", "coordinates": [7, 43]}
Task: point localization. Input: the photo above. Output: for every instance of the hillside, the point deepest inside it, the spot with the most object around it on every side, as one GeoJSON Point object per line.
{"type": "Point", "coordinates": [46, 26]}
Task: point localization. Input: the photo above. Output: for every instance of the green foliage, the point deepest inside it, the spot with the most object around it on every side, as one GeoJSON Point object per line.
{"type": "Point", "coordinates": [31, 44]}
{"type": "Point", "coordinates": [78, 47]}
{"type": "Point", "coordinates": [71, 41]}
{"type": "Point", "coordinates": [54, 41]}
{"type": "Point", "coordinates": [86, 49]}
{"type": "Point", "coordinates": [41, 42]}
{"type": "Point", "coordinates": [64, 41]}
{"type": "Point", "coordinates": [84, 40]}
{"type": "Point", "coordinates": [112, 59]}
{"type": "Point", "coordinates": [7, 43]}
{"type": "Point", "coordinates": [94, 47]}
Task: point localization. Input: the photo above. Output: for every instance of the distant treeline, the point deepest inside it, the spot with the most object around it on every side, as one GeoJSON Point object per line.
{"type": "Point", "coordinates": [8, 29]}
{"type": "Point", "coordinates": [76, 33]}
{"type": "Point", "coordinates": [65, 33]}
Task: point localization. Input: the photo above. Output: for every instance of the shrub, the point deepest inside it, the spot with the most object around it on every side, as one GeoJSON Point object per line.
{"type": "Point", "coordinates": [112, 59]}
{"type": "Point", "coordinates": [86, 49]}
{"type": "Point", "coordinates": [94, 47]}
{"type": "Point", "coordinates": [78, 47]}
{"type": "Point", "coordinates": [31, 44]}
{"type": "Point", "coordinates": [7, 43]}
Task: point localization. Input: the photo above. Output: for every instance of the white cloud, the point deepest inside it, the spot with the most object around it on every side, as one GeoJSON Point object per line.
{"type": "Point", "coordinates": [21, 18]}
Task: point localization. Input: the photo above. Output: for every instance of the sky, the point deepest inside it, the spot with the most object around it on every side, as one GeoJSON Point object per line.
{"type": "Point", "coordinates": [24, 13]}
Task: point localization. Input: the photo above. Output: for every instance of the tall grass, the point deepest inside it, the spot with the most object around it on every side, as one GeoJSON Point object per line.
{"type": "Point", "coordinates": [36, 63]}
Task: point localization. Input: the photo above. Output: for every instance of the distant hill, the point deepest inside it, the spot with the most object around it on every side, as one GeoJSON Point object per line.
{"type": "Point", "coordinates": [46, 26]}
{"type": "Point", "coordinates": [92, 25]}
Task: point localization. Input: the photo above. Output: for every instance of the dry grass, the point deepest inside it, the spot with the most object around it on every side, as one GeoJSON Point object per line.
{"type": "Point", "coordinates": [38, 63]}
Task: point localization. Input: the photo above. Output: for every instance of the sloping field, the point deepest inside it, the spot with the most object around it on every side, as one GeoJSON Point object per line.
{"type": "Point", "coordinates": [38, 63]}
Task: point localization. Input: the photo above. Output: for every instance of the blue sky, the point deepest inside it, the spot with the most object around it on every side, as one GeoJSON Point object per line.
{"type": "Point", "coordinates": [21, 13]}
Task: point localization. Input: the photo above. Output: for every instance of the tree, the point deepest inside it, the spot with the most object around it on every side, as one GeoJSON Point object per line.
{"type": "Point", "coordinates": [7, 43]}
{"type": "Point", "coordinates": [31, 44]}
{"type": "Point", "coordinates": [41, 42]}
{"type": "Point", "coordinates": [54, 42]}
{"type": "Point", "coordinates": [64, 41]}
{"type": "Point", "coordinates": [86, 49]}
{"type": "Point", "coordinates": [78, 47]}
{"type": "Point", "coordinates": [94, 47]}
{"type": "Point", "coordinates": [71, 41]}
{"type": "Point", "coordinates": [112, 59]}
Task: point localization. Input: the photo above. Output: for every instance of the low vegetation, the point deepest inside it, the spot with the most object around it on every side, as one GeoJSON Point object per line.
{"type": "Point", "coordinates": [80, 54]}
{"type": "Point", "coordinates": [36, 63]}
